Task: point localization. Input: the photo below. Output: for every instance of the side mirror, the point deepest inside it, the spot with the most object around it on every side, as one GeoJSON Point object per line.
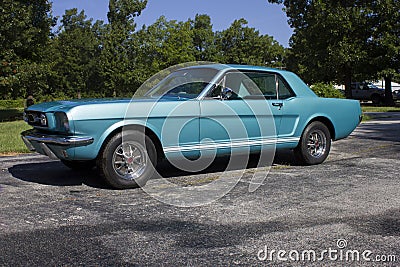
{"type": "Point", "coordinates": [226, 93]}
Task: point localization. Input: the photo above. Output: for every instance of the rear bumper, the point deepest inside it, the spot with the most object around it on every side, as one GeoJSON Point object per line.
{"type": "Point", "coordinates": [54, 146]}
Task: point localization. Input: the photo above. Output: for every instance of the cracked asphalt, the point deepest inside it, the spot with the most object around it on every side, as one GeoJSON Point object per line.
{"type": "Point", "coordinates": [52, 216]}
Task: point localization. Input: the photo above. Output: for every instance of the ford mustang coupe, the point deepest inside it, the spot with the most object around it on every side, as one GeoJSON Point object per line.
{"type": "Point", "coordinates": [206, 110]}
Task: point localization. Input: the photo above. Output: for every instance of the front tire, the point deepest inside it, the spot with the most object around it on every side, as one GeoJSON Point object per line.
{"type": "Point", "coordinates": [315, 144]}
{"type": "Point", "coordinates": [127, 160]}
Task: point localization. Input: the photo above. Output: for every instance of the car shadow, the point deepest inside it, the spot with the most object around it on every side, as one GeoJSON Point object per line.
{"type": "Point", "coordinates": [56, 174]}
{"type": "Point", "coordinates": [220, 164]}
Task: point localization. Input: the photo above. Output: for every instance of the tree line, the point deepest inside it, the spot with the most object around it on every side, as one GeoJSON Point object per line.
{"type": "Point", "coordinates": [333, 41]}
{"type": "Point", "coordinates": [344, 40]}
{"type": "Point", "coordinates": [84, 58]}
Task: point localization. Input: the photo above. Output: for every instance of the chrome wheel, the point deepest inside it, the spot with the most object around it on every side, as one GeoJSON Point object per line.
{"type": "Point", "coordinates": [129, 160]}
{"type": "Point", "coordinates": [316, 145]}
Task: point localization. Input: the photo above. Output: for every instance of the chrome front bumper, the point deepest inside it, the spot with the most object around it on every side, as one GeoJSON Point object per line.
{"type": "Point", "coordinates": [32, 138]}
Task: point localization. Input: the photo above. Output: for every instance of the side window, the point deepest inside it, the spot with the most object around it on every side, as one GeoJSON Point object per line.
{"type": "Point", "coordinates": [230, 87]}
{"type": "Point", "coordinates": [192, 88]}
{"type": "Point", "coordinates": [265, 83]}
{"type": "Point", "coordinates": [253, 85]}
{"type": "Point", "coordinates": [283, 90]}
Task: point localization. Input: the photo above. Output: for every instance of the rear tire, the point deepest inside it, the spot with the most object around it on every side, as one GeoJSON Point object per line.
{"type": "Point", "coordinates": [127, 160]}
{"type": "Point", "coordinates": [315, 144]}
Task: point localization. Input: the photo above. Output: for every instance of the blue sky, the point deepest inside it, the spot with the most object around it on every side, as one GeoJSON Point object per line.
{"type": "Point", "coordinates": [267, 18]}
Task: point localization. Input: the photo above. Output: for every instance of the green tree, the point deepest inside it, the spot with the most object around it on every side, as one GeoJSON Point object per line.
{"type": "Point", "coordinates": [241, 44]}
{"type": "Point", "coordinates": [386, 43]}
{"type": "Point", "coordinates": [74, 56]}
{"type": "Point", "coordinates": [24, 32]}
{"type": "Point", "coordinates": [117, 46]}
{"type": "Point", "coordinates": [176, 42]}
{"type": "Point", "coordinates": [164, 44]}
{"type": "Point", "coordinates": [331, 39]}
{"type": "Point", "coordinates": [204, 39]}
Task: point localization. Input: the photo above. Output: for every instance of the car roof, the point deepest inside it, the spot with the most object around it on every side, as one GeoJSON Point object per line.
{"type": "Point", "coordinates": [237, 67]}
{"type": "Point", "coordinates": [297, 85]}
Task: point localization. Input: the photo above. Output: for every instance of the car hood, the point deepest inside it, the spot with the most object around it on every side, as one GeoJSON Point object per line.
{"type": "Point", "coordinates": [106, 108]}
{"type": "Point", "coordinates": [65, 105]}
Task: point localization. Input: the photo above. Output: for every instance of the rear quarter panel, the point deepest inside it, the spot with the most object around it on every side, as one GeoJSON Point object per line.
{"type": "Point", "coordinates": [344, 114]}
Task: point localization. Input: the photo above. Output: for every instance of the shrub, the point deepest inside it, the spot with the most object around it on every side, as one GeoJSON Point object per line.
{"type": "Point", "coordinates": [11, 110]}
{"type": "Point", "coordinates": [326, 90]}
{"type": "Point", "coordinates": [12, 104]}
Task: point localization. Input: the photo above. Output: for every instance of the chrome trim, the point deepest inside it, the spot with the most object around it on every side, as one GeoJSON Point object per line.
{"type": "Point", "coordinates": [31, 135]}
{"type": "Point", "coordinates": [47, 151]}
{"type": "Point", "coordinates": [28, 144]}
{"type": "Point", "coordinates": [233, 144]}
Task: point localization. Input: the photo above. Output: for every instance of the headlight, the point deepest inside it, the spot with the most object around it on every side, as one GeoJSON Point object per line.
{"type": "Point", "coordinates": [36, 118]}
{"type": "Point", "coordinates": [43, 120]}
{"type": "Point", "coordinates": [62, 123]}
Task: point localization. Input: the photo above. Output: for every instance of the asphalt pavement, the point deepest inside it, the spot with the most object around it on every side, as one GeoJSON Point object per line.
{"type": "Point", "coordinates": [344, 212]}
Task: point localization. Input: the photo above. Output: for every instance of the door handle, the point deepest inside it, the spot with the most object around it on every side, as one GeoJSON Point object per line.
{"type": "Point", "coordinates": [277, 104]}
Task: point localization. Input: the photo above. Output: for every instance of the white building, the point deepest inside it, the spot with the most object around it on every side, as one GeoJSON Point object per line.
{"type": "Point", "coordinates": [380, 83]}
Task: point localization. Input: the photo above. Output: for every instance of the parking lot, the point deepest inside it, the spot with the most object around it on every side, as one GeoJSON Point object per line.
{"type": "Point", "coordinates": [50, 215]}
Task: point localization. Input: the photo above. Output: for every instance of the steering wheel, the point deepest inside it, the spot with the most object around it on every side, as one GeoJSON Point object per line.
{"type": "Point", "coordinates": [228, 94]}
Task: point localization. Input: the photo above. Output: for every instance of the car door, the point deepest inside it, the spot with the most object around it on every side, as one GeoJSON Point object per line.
{"type": "Point", "coordinates": [176, 120]}
{"type": "Point", "coordinates": [241, 113]}
{"type": "Point", "coordinates": [289, 106]}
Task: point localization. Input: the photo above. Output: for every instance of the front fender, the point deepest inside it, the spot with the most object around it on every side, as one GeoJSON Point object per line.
{"type": "Point", "coordinates": [92, 151]}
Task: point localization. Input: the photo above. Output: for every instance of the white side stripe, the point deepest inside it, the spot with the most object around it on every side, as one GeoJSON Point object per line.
{"type": "Point", "coordinates": [233, 144]}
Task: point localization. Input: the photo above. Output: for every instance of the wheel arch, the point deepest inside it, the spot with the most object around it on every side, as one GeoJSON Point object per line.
{"type": "Point", "coordinates": [138, 127]}
{"type": "Point", "coordinates": [328, 123]}
{"type": "Point", "coordinates": [307, 153]}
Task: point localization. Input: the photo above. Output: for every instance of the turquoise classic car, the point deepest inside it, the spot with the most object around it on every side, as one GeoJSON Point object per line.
{"type": "Point", "coordinates": [197, 111]}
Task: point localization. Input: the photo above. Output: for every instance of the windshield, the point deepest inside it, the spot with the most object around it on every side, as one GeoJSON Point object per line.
{"type": "Point", "coordinates": [373, 86]}
{"type": "Point", "coordinates": [185, 83]}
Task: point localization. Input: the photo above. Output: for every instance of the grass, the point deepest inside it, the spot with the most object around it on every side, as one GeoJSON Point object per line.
{"type": "Point", "coordinates": [379, 109]}
{"type": "Point", "coordinates": [366, 118]}
{"type": "Point", "coordinates": [10, 139]}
